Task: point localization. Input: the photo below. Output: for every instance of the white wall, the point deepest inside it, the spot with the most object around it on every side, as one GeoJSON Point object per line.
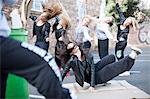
{"type": "Point", "coordinates": [145, 4]}
{"type": "Point", "coordinates": [37, 6]}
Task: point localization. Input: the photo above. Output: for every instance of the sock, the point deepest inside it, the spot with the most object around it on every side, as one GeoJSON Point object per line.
{"type": "Point", "coordinates": [133, 54]}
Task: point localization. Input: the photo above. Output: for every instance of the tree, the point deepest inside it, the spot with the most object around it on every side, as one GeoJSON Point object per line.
{"type": "Point", "coordinates": [81, 9]}
{"type": "Point", "coordinates": [127, 6]}
{"type": "Point", "coordinates": [102, 8]}
{"type": "Point", "coordinates": [132, 6]}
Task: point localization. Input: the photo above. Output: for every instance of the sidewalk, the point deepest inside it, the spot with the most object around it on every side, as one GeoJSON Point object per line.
{"type": "Point", "coordinates": [117, 89]}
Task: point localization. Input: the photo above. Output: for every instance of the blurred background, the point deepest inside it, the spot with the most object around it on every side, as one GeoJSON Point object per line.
{"type": "Point", "coordinates": [136, 8]}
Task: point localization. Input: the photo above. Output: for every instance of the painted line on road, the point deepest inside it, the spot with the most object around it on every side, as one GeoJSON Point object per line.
{"type": "Point", "coordinates": [96, 60]}
{"type": "Point", "coordinates": [142, 60]}
{"type": "Point", "coordinates": [36, 96]}
{"type": "Point", "coordinates": [97, 57]}
{"type": "Point", "coordinates": [144, 55]}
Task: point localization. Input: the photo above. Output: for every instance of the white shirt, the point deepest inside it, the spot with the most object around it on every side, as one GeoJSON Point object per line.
{"type": "Point", "coordinates": [103, 32]}
{"type": "Point", "coordinates": [82, 34]}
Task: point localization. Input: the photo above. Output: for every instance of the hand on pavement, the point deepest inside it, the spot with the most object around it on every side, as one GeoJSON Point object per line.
{"type": "Point", "coordinates": [92, 89]}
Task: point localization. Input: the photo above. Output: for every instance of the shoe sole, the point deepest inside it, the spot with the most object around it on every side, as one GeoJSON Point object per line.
{"type": "Point", "coordinates": [137, 49]}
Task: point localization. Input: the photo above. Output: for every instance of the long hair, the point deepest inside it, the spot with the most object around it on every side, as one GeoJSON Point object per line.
{"type": "Point", "coordinates": [54, 10]}
{"type": "Point", "coordinates": [88, 17]}
{"type": "Point", "coordinates": [47, 16]}
{"type": "Point", "coordinates": [63, 21]}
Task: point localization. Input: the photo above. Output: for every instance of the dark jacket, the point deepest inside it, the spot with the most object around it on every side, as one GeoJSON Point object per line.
{"type": "Point", "coordinates": [83, 71]}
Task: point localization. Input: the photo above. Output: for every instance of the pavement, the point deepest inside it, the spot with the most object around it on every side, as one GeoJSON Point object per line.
{"type": "Point", "coordinates": [116, 89]}
{"type": "Point", "coordinates": [134, 84]}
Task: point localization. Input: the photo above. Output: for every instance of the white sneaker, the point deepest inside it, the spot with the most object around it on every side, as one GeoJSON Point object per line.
{"type": "Point", "coordinates": [137, 50]}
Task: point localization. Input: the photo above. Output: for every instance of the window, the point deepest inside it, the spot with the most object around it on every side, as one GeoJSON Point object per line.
{"type": "Point", "coordinates": [37, 5]}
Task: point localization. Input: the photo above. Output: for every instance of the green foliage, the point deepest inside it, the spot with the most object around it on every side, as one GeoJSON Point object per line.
{"type": "Point", "coordinates": [110, 7]}
{"type": "Point", "coordinates": [127, 6]}
{"type": "Point", "coordinates": [131, 7]}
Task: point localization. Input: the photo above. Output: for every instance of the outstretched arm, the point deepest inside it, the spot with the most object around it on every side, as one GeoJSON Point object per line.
{"type": "Point", "coordinates": [69, 64]}
{"type": "Point", "coordinates": [92, 72]}
{"type": "Point", "coordinates": [121, 15]}
{"type": "Point", "coordinates": [90, 60]}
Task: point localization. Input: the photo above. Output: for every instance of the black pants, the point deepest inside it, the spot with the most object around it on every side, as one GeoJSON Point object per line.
{"type": "Point", "coordinates": [32, 63]}
{"type": "Point", "coordinates": [103, 46]}
{"type": "Point", "coordinates": [119, 49]}
{"type": "Point", "coordinates": [107, 68]}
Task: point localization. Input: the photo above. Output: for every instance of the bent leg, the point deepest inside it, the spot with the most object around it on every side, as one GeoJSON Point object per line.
{"type": "Point", "coordinates": [103, 48]}
{"type": "Point", "coordinates": [114, 69]}
{"type": "Point", "coordinates": [104, 61]}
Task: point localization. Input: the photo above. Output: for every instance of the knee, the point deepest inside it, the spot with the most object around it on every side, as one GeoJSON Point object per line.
{"type": "Point", "coordinates": [113, 57]}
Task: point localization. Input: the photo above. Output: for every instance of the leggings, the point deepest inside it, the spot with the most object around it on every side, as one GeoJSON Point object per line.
{"type": "Point", "coordinates": [32, 63]}
{"type": "Point", "coordinates": [103, 46]}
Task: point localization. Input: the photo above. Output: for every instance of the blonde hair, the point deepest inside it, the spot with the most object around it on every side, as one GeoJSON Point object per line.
{"type": "Point", "coordinates": [54, 10]}
{"type": "Point", "coordinates": [88, 17]}
{"type": "Point", "coordinates": [64, 21]}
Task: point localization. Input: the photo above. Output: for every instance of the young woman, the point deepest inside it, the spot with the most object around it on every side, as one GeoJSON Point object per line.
{"type": "Point", "coordinates": [83, 32]}
{"type": "Point", "coordinates": [30, 62]}
{"type": "Point", "coordinates": [60, 28]}
{"type": "Point", "coordinates": [41, 27]}
{"type": "Point", "coordinates": [103, 35]}
{"type": "Point", "coordinates": [106, 69]}
{"type": "Point", "coordinates": [123, 30]}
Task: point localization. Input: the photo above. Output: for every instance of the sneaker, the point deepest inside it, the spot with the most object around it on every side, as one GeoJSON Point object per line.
{"type": "Point", "coordinates": [137, 50]}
